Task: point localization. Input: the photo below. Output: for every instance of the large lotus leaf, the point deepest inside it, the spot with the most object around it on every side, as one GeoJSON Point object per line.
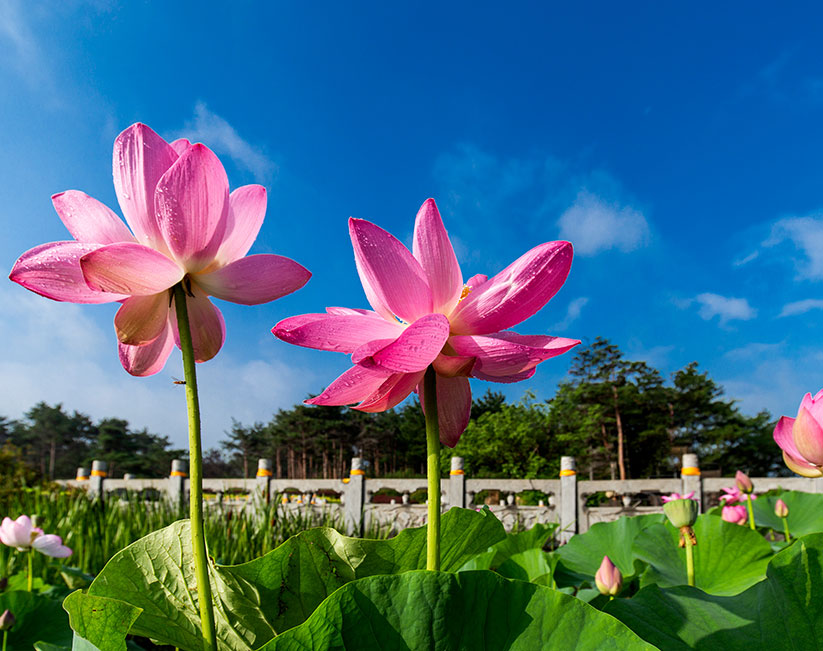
{"type": "Point", "coordinates": [533, 565]}
{"type": "Point", "coordinates": [268, 595]}
{"type": "Point", "coordinates": [38, 619]}
{"type": "Point", "coordinates": [581, 557]}
{"type": "Point", "coordinates": [512, 545]}
{"type": "Point", "coordinates": [728, 557]}
{"type": "Point", "coordinates": [439, 611]}
{"type": "Point", "coordinates": [785, 611]}
{"type": "Point", "coordinates": [805, 512]}
{"type": "Point", "coordinates": [99, 622]}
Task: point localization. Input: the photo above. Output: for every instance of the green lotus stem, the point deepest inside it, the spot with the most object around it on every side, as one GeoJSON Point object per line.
{"type": "Point", "coordinates": [5, 639]}
{"type": "Point", "coordinates": [751, 512]}
{"type": "Point", "coordinates": [786, 529]}
{"type": "Point", "coordinates": [30, 581]}
{"type": "Point", "coordinates": [198, 537]}
{"type": "Point", "coordinates": [689, 561]}
{"type": "Point", "coordinates": [433, 466]}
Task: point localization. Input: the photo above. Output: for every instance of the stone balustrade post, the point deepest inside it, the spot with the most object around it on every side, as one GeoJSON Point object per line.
{"type": "Point", "coordinates": [568, 498]}
{"type": "Point", "coordinates": [177, 482]}
{"type": "Point", "coordinates": [264, 476]}
{"type": "Point", "coordinates": [99, 470]}
{"type": "Point", "coordinates": [690, 478]}
{"type": "Point", "coordinates": [355, 498]}
{"type": "Point", "coordinates": [83, 474]}
{"type": "Point", "coordinates": [457, 484]}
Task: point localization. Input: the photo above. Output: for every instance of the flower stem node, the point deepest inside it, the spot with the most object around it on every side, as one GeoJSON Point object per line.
{"type": "Point", "coordinates": [687, 536]}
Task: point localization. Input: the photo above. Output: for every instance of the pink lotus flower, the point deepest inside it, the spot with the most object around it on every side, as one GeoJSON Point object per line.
{"type": "Point", "coordinates": [743, 483]}
{"type": "Point", "coordinates": [20, 533]}
{"type": "Point", "coordinates": [678, 496]}
{"type": "Point", "coordinates": [608, 578]}
{"type": "Point", "coordinates": [781, 510]}
{"type": "Point", "coordinates": [186, 227]}
{"type": "Point", "coordinates": [735, 514]}
{"type": "Point", "coordinates": [735, 496]}
{"type": "Point", "coordinates": [424, 315]}
{"type": "Point", "coordinates": [801, 438]}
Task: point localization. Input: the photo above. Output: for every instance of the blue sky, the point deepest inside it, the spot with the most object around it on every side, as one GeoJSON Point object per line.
{"type": "Point", "coordinates": [677, 148]}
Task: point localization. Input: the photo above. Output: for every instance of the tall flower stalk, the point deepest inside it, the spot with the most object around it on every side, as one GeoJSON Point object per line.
{"type": "Point", "coordinates": [433, 468]}
{"type": "Point", "coordinates": [198, 535]}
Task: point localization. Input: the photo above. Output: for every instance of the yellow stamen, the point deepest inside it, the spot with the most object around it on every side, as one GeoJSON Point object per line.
{"type": "Point", "coordinates": [464, 293]}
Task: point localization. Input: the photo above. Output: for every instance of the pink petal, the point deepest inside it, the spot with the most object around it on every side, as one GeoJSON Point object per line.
{"type": "Point", "coordinates": [433, 250]}
{"type": "Point", "coordinates": [391, 393]}
{"type": "Point", "coordinates": [354, 385]}
{"type": "Point", "coordinates": [508, 353]}
{"type": "Point", "coordinates": [142, 319]}
{"type": "Point", "coordinates": [353, 310]}
{"type": "Point", "coordinates": [504, 379]}
{"type": "Point", "coordinates": [148, 359]}
{"type": "Point", "coordinates": [808, 437]}
{"type": "Point", "coordinates": [454, 366]}
{"type": "Point", "coordinates": [141, 157]}
{"type": "Point", "coordinates": [181, 145]}
{"type": "Point", "coordinates": [51, 545]}
{"type": "Point", "coordinates": [16, 533]}
{"type": "Point", "coordinates": [475, 281]}
{"type": "Point", "coordinates": [130, 268]}
{"type": "Point", "coordinates": [393, 280]}
{"type": "Point", "coordinates": [208, 330]}
{"type": "Point", "coordinates": [516, 293]}
{"type": "Point", "coordinates": [53, 270]}
{"type": "Point", "coordinates": [247, 208]}
{"type": "Point", "coordinates": [254, 279]}
{"type": "Point", "coordinates": [342, 333]}
{"type": "Point", "coordinates": [800, 467]}
{"type": "Point", "coordinates": [192, 204]}
{"type": "Point", "coordinates": [814, 405]}
{"type": "Point", "coordinates": [88, 220]}
{"type": "Point", "coordinates": [454, 407]}
{"type": "Point", "coordinates": [413, 350]}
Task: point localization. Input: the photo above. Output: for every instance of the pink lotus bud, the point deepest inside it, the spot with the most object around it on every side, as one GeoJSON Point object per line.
{"type": "Point", "coordinates": [780, 509]}
{"type": "Point", "coordinates": [608, 579]}
{"type": "Point", "coordinates": [735, 514]}
{"type": "Point", "coordinates": [6, 620]}
{"type": "Point", "coordinates": [744, 484]}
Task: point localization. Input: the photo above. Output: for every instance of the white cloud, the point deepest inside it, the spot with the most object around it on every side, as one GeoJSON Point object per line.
{"type": "Point", "coordinates": [593, 225]}
{"type": "Point", "coordinates": [220, 136]}
{"type": "Point", "coordinates": [58, 353]}
{"type": "Point", "coordinates": [806, 234]}
{"type": "Point", "coordinates": [572, 313]}
{"type": "Point", "coordinates": [728, 309]}
{"type": "Point", "coordinates": [754, 351]}
{"type": "Point", "coordinates": [801, 307]}
{"type": "Point", "coordinates": [746, 259]}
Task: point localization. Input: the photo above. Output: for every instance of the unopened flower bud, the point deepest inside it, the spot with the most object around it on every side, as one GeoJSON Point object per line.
{"type": "Point", "coordinates": [780, 509]}
{"type": "Point", "coordinates": [608, 578]}
{"type": "Point", "coordinates": [681, 513]}
{"type": "Point", "coordinates": [744, 484]}
{"type": "Point", "coordinates": [6, 620]}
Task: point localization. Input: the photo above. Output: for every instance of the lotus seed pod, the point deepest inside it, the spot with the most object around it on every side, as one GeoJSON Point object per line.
{"type": "Point", "coordinates": [681, 513]}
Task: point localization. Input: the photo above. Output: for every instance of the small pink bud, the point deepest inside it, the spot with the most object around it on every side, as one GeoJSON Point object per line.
{"type": "Point", "coordinates": [735, 514]}
{"type": "Point", "coordinates": [780, 509]}
{"type": "Point", "coordinates": [608, 579]}
{"type": "Point", "coordinates": [6, 620]}
{"type": "Point", "coordinates": [743, 482]}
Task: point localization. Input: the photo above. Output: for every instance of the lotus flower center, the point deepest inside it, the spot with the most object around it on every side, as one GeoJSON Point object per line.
{"type": "Point", "coordinates": [466, 291]}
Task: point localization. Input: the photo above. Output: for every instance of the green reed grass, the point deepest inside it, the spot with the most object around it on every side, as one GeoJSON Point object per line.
{"type": "Point", "coordinates": [97, 530]}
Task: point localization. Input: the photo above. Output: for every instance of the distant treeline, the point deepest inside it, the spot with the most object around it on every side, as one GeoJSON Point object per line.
{"type": "Point", "coordinates": [618, 417]}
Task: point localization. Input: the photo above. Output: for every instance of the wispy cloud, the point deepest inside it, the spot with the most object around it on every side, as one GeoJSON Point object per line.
{"type": "Point", "coordinates": [806, 234]}
{"type": "Point", "coordinates": [801, 307]}
{"type": "Point", "coordinates": [573, 312]}
{"type": "Point", "coordinates": [714, 305]}
{"type": "Point", "coordinates": [57, 352]}
{"type": "Point", "coordinates": [215, 132]}
{"type": "Point", "coordinates": [596, 225]}
{"type": "Point", "coordinates": [589, 207]}
{"type": "Point", "coordinates": [754, 351]}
